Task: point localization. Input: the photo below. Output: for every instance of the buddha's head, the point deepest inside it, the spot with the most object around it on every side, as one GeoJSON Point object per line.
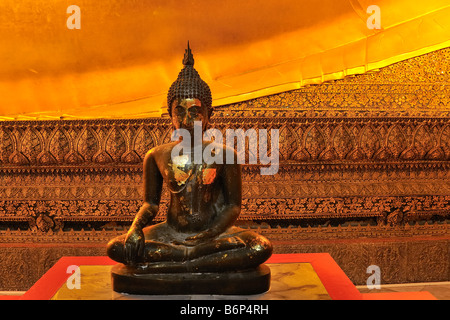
{"type": "Point", "coordinates": [189, 98]}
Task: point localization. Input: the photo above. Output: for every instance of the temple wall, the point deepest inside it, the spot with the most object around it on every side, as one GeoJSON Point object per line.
{"type": "Point", "coordinates": [364, 174]}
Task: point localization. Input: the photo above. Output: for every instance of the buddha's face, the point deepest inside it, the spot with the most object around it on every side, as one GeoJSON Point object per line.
{"type": "Point", "coordinates": [186, 111]}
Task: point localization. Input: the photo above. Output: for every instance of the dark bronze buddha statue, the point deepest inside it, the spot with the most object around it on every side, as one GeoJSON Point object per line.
{"type": "Point", "coordinates": [205, 200]}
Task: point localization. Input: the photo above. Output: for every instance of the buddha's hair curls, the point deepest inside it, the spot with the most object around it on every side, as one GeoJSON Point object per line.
{"type": "Point", "coordinates": [189, 85]}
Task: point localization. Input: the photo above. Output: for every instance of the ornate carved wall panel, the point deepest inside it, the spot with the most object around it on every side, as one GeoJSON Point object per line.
{"type": "Point", "coordinates": [367, 157]}
{"type": "Point", "coordinates": [337, 168]}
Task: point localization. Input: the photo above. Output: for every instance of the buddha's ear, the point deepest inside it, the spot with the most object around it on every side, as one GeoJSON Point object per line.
{"type": "Point", "coordinates": [210, 112]}
{"type": "Point", "coordinates": [170, 108]}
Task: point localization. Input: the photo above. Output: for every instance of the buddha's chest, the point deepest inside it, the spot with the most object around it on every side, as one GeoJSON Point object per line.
{"type": "Point", "coordinates": [190, 178]}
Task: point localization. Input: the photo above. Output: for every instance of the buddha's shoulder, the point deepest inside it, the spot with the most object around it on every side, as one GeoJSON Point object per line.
{"type": "Point", "coordinates": [227, 153]}
{"type": "Point", "coordinates": [161, 151]}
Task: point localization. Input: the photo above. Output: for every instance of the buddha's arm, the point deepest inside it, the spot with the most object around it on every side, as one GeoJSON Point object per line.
{"type": "Point", "coordinates": [153, 182]}
{"type": "Point", "coordinates": [135, 239]}
{"type": "Point", "coordinates": [232, 189]}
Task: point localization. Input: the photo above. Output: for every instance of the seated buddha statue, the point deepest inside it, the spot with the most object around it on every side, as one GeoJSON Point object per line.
{"type": "Point", "coordinates": [198, 234]}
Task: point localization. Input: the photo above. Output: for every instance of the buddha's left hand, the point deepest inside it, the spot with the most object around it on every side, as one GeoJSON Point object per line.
{"type": "Point", "coordinates": [198, 238]}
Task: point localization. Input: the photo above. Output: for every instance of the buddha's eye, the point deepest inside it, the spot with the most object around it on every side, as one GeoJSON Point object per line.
{"type": "Point", "coordinates": [194, 110]}
{"type": "Point", "coordinates": [180, 111]}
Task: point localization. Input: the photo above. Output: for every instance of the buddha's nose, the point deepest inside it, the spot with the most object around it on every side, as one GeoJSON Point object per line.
{"type": "Point", "coordinates": [187, 121]}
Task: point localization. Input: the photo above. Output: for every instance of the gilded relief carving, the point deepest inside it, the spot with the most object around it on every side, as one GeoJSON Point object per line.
{"type": "Point", "coordinates": [301, 140]}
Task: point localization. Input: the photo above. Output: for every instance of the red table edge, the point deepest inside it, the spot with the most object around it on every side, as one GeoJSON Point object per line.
{"type": "Point", "coordinates": [409, 295]}
{"type": "Point", "coordinates": [335, 281]}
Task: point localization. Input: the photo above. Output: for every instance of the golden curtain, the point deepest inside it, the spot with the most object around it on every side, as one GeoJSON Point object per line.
{"type": "Point", "coordinates": [122, 60]}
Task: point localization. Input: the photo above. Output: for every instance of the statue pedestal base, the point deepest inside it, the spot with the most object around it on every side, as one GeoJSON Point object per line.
{"type": "Point", "coordinates": [255, 281]}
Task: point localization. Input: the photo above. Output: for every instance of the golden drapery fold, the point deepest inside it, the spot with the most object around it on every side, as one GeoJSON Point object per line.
{"type": "Point", "coordinates": [122, 60]}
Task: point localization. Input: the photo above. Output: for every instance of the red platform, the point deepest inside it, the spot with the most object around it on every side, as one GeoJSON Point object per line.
{"type": "Point", "coordinates": [337, 284]}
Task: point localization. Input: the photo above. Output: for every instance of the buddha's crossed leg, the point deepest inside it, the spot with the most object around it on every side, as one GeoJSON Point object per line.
{"type": "Point", "coordinates": [237, 249]}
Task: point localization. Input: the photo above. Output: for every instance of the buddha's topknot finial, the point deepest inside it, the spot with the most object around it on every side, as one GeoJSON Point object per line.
{"type": "Point", "coordinates": [188, 59]}
{"type": "Point", "coordinates": [189, 84]}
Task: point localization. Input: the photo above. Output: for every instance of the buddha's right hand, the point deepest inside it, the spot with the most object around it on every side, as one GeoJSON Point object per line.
{"type": "Point", "coordinates": [134, 245]}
